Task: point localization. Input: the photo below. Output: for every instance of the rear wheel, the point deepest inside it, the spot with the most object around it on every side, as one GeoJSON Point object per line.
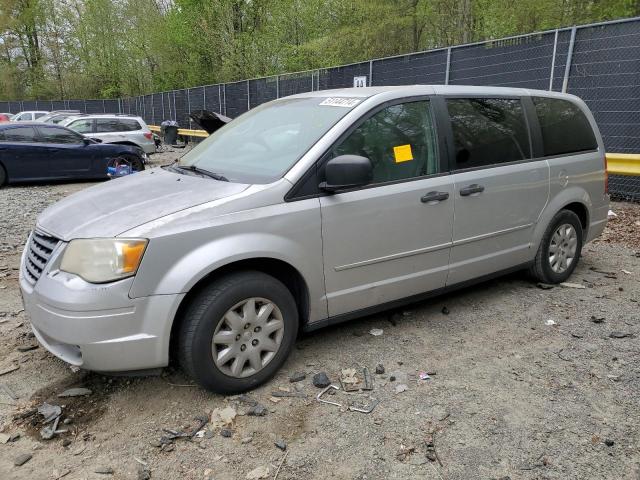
{"type": "Point", "coordinates": [237, 332]}
{"type": "Point", "coordinates": [559, 250]}
{"type": "Point", "coordinates": [3, 176]}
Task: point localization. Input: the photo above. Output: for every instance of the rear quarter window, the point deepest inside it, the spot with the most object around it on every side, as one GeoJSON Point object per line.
{"type": "Point", "coordinates": [565, 128]}
{"type": "Point", "coordinates": [126, 125]}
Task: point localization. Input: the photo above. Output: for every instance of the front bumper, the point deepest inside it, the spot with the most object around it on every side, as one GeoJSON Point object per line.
{"type": "Point", "coordinates": [98, 327]}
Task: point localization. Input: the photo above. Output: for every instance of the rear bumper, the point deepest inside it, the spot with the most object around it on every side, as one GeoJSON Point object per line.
{"type": "Point", "coordinates": [98, 327]}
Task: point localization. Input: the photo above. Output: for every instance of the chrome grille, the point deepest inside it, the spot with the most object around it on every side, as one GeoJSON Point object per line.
{"type": "Point", "coordinates": [39, 250]}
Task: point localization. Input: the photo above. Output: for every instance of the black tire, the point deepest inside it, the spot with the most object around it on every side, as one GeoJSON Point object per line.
{"type": "Point", "coordinates": [541, 269]}
{"type": "Point", "coordinates": [206, 311]}
{"type": "Point", "coordinates": [134, 160]}
{"type": "Point", "coordinates": [3, 176]}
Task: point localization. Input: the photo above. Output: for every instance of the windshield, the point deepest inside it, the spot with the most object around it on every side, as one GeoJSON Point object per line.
{"type": "Point", "coordinates": [261, 145]}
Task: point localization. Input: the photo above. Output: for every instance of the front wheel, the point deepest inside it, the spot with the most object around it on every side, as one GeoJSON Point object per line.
{"type": "Point", "coordinates": [559, 250]}
{"type": "Point", "coordinates": [237, 332]}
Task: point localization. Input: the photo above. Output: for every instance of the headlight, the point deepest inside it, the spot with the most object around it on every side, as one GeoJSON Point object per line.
{"type": "Point", "coordinates": [103, 260]}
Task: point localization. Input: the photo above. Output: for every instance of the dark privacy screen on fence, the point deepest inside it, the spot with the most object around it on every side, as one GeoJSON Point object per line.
{"type": "Point", "coordinates": [600, 63]}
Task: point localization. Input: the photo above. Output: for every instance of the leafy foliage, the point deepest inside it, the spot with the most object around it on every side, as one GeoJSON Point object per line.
{"type": "Point", "coordinates": [108, 48]}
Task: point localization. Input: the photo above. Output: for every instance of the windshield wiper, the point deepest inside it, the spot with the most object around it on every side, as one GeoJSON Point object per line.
{"type": "Point", "coordinates": [202, 171]}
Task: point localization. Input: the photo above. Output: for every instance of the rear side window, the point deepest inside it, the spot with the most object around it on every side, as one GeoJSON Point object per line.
{"type": "Point", "coordinates": [20, 135]}
{"type": "Point", "coordinates": [565, 129]}
{"type": "Point", "coordinates": [107, 125]}
{"type": "Point", "coordinates": [40, 114]}
{"type": "Point", "coordinates": [488, 131]}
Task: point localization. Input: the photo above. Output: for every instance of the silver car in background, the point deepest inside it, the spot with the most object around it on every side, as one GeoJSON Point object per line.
{"type": "Point", "coordinates": [28, 116]}
{"type": "Point", "coordinates": [109, 128]}
{"type": "Point", "coordinates": [308, 211]}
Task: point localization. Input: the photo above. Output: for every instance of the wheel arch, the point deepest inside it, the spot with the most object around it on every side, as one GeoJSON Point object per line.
{"type": "Point", "coordinates": [574, 199]}
{"type": "Point", "coordinates": [279, 269]}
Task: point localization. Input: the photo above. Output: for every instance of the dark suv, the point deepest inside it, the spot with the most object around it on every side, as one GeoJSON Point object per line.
{"type": "Point", "coordinates": [35, 151]}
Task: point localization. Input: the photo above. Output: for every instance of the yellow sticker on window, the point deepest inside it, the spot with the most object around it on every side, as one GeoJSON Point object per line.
{"type": "Point", "coordinates": [402, 153]}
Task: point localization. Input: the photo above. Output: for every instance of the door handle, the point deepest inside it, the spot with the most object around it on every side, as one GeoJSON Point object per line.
{"type": "Point", "coordinates": [434, 197]}
{"type": "Point", "coordinates": [471, 189]}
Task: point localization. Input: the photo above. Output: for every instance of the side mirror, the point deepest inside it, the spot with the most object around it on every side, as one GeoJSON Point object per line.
{"type": "Point", "coordinates": [346, 171]}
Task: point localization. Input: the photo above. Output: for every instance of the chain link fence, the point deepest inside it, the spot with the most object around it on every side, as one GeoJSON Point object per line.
{"type": "Point", "coordinates": [600, 63]}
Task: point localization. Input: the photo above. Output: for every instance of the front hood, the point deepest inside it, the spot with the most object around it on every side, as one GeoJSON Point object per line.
{"type": "Point", "coordinates": [111, 208]}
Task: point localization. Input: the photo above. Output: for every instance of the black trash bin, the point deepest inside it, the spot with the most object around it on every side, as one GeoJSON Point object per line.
{"type": "Point", "coordinates": [169, 130]}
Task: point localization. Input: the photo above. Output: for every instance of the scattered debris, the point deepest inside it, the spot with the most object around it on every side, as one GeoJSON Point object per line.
{"type": "Point", "coordinates": [257, 411]}
{"type": "Point", "coordinates": [404, 452]}
{"type": "Point", "coordinates": [7, 390]}
{"type": "Point", "coordinates": [379, 369]}
{"type": "Point", "coordinates": [572, 285]}
{"type": "Point", "coordinates": [27, 348]}
{"type": "Point", "coordinates": [550, 322]}
{"type": "Point", "coordinates": [401, 387]}
{"type": "Point", "coordinates": [104, 470]}
{"type": "Point", "coordinates": [222, 417]}
{"type": "Point", "coordinates": [275, 399]}
{"type": "Point", "coordinates": [297, 377]}
{"type": "Point", "coordinates": [595, 319]}
{"type": "Point", "coordinates": [609, 443]}
{"type": "Point", "coordinates": [172, 435]}
{"type": "Point", "coordinates": [445, 311]}
{"type": "Point", "coordinates": [621, 335]}
{"type": "Point", "coordinates": [376, 332]}
{"type": "Point", "coordinates": [353, 380]}
{"type": "Point", "coordinates": [49, 412]}
{"type": "Point", "coordinates": [365, 408]}
{"type": "Point", "coordinates": [9, 369]}
{"type": "Point", "coordinates": [325, 390]}
{"type": "Point", "coordinates": [611, 214]}
{"type": "Point", "coordinates": [4, 438]}
{"type": "Point", "coordinates": [75, 392]}
{"type": "Point", "coordinates": [289, 394]}
{"type": "Point", "coordinates": [321, 380]}
{"type": "Point", "coordinates": [144, 472]}
{"type": "Point", "coordinates": [226, 432]}
{"type": "Point", "coordinates": [626, 272]}
{"type": "Point", "coordinates": [544, 286]}
{"type": "Point", "coordinates": [258, 473]}
{"type": "Point", "coordinates": [49, 431]}
{"type": "Point", "coordinates": [22, 459]}
{"type": "Point", "coordinates": [281, 444]}
{"type": "Point", "coordinates": [424, 376]}
{"type": "Point", "coordinates": [246, 440]}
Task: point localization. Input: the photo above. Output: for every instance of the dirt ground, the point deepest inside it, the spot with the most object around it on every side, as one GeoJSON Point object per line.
{"type": "Point", "coordinates": [525, 383]}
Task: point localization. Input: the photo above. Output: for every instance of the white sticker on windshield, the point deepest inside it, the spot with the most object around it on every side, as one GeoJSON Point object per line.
{"type": "Point", "coordinates": [340, 102]}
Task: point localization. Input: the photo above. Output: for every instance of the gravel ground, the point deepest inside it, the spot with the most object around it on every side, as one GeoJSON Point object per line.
{"type": "Point", "coordinates": [525, 383]}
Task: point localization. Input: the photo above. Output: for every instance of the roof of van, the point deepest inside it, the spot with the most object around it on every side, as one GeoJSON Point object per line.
{"type": "Point", "coordinates": [365, 92]}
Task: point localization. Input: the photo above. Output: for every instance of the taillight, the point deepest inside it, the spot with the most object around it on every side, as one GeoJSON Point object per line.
{"type": "Point", "coordinates": [606, 175]}
{"type": "Point", "coordinates": [148, 135]}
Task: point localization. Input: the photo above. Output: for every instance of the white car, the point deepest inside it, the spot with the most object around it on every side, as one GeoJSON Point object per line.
{"type": "Point", "coordinates": [29, 115]}
{"type": "Point", "coordinates": [113, 128]}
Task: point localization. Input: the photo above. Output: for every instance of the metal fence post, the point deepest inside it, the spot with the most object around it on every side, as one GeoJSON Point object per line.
{"type": "Point", "coordinates": [189, 105]}
{"type": "Point", "coordinates": [277, 86]}
{"type": "Point", "coordinates": [224, 91]}
{"type": "Point", "coordinates": [446, 73]}
{"type": "Point", "coordinates": [567, 67]}
{"type": "Point", "coordinates": [553, 60]}
{"type": "Point", "coordinates": [162, 103]}
{"type": "Point", "coordinates": [153, 111]}
{"type": "Point", "coordinates": [175, 111]}
{"type": "Point", "coordinates": [370, 74]}
{"type": "Point", "coordinates": [220, 99]}
{"type": "Point", "coordinates": [204, 98]}
{"type": "Point", "coordinates": [248, 97]}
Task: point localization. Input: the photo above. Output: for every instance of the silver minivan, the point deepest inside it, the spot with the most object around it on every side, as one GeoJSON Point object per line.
{"type": "Point", "coordinates": [308, 211]}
